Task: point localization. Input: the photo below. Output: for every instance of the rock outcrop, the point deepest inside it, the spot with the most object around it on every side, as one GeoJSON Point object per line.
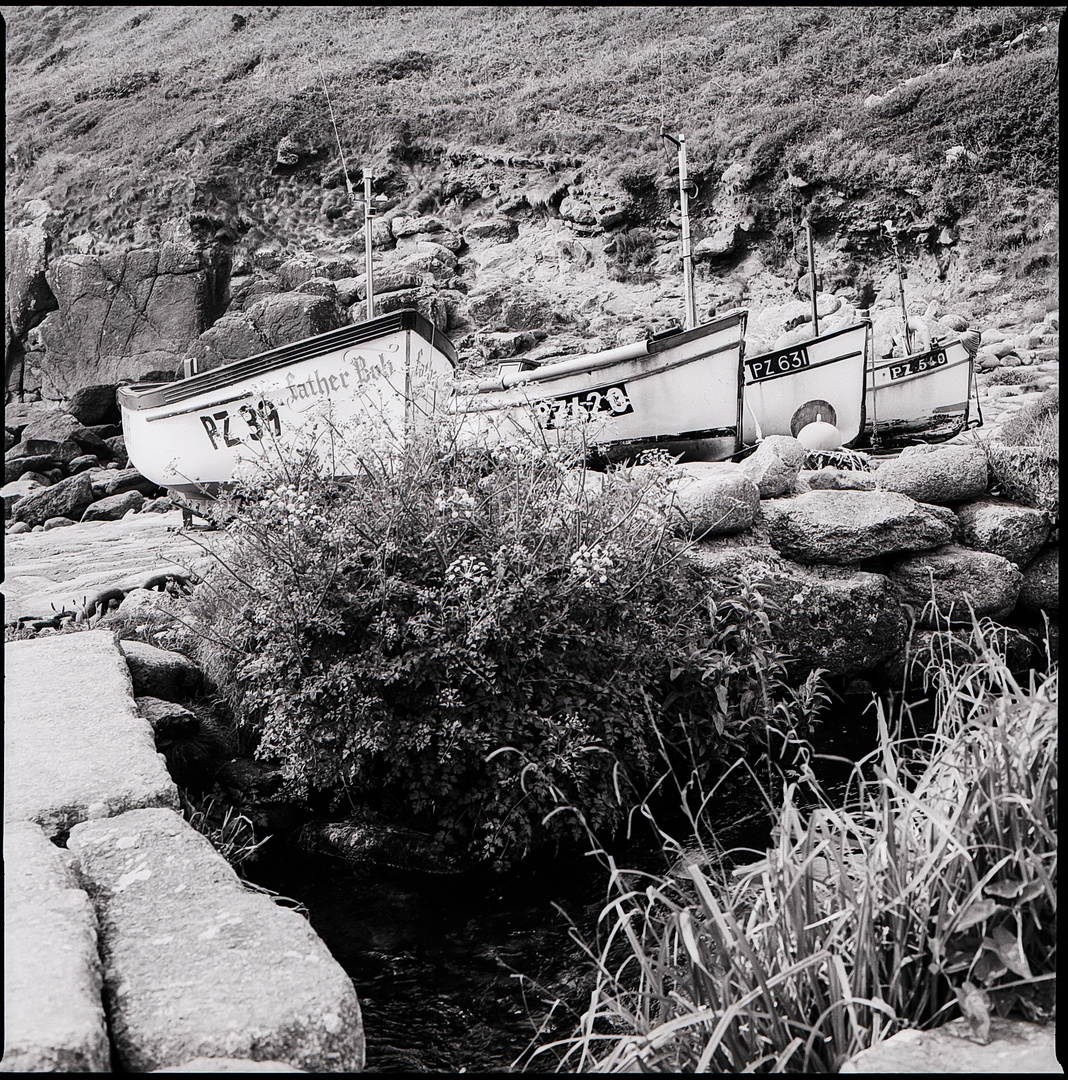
{"type": "Point", "coordinates": [124, 315]}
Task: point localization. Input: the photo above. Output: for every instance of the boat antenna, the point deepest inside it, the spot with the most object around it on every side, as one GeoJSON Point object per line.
{"type": "Point", "coordinates": [901, 286]}
{"type": "Point", "coordinates": [807, 226]}
{"type": "Point", "coordinates": [337, 137]}
{"type": "Point", "coordinates": [685, 186]}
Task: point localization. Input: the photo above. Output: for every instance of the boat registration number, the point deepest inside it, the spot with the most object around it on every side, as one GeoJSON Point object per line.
{"type": "Point", "coordinates": [252, 422]}
{"type": "Point", "coordinates": [581, 408]}
{"type": "Point", "coordinates": [915, 364]}
{"type": "Point", "coordinates": [780, 363]}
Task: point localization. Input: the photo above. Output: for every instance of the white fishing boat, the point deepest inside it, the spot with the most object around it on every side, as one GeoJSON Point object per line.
{"type": "Point", "coordinates": [820, 379]}
{"type": "Point", "coordinates": [679, 391]}
{"type": "Point", "coordinates": [192, 435]}
{"type": "Point", "coordinates": [923, 397]}
{"type": "Point", "coordinates": [925, 394]}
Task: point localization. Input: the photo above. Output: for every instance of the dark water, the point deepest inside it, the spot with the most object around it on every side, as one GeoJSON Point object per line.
{"type": "Point", "coordinates": [435, 959]}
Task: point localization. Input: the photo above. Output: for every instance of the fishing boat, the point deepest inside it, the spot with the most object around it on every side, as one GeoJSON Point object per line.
{"type": "Point", "coordinates": [818, 380]}
{"type": "Point", "coordinates": [925, 396]}
{"type": "Point", "coordinates": [679, 391]}
{"type": "Point", "coordinates": [193, 434]}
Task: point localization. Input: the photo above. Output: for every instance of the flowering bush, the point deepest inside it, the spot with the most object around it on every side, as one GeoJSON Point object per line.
{"type": "Point", "coordinates": [468, 638]}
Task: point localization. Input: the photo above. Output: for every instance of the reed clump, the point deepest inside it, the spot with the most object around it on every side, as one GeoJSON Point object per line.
{"type": "Point", "coordinates": [926, 892]}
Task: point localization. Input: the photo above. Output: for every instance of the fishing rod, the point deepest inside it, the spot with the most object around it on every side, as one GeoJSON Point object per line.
{"type": "Point", "coordinates": [368, 208]}
{"type": "Point", "coordinates": [901, 286]}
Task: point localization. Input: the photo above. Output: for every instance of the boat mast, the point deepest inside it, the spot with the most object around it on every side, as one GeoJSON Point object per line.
{"type": "Point", "coordinates": [901, 287]}
{"type": "Point", "coordinates": [368, 209]}
{"type": "Point", "coordinates": [685, 186]}
{"type": "Point", "coordinates": [812, 279]}
{"type": "Point", "coordinates": [368, 214]}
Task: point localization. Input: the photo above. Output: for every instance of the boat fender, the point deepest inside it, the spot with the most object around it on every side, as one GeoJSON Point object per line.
{"type": "Point", "coordinates": [819, 436]}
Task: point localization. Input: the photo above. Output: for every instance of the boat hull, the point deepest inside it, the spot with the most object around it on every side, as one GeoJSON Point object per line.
{"type": "Point", "coordinates": [925, 397]}
{"type": "Point", "coordinates": [678, 391]}
{"type": "Point", "coordinates": [821, 377]}
{"type": "Point", "coordinates": [196, 433]}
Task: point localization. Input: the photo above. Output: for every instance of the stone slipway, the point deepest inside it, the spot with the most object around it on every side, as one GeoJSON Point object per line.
{"type": "Point", "coordinates": [61, 566]}
{"type": "Point", "coordinates": [197, 965]}
{"type": "Point", "coordinates": [194, 964]}
{"type": "Point", "coordinates": [53, 1010]}
{"type": "Point", "coordinates": [75, 746]}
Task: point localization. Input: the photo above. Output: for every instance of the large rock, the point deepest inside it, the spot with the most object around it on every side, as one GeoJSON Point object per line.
{"type": "Point", "coordinates": [842, 527]}
{"type": "Point", "coordinates": [161, 673]}
{"type": "Point", "coordinates": [113, 507]}
{"type": "Point", "coordinates": [284, 318]}
{"type": "Point", "coordinates": [91, 405]}
{"type": "Point", "coordinates": [775, 464]}
{"type": "Point", "coordinates": [1040, 589]}
{"type": "Point", "coordinates": [53, 1012]}
{"type": "Point", "coordinates": [1015, 1046]}
{"type": "Point", "coordinates": [937, 474]}
{"type": "Point", "coordinates": [69, 498]}
{"type": "Point", "coordinates": [74, 745]}
{"type": "Point", "coordinates": [930, 653]}
{"type": "Point", "coordinates": [29, 297]}
{"type": "Point", "coordinates": [708, 502]}
{"type": "Point", "coordinates": [108, 482]}
{"type": "Point", "coordinates": [958, 580]}
{"type": "Point", "coordinates": [125, 314]}
{"type": "Point", "coordinates": [197, 965]}
{"type": "Point", "coordinates": [1008, 529]}
{"type": "Point", "coordinates": [233, 337]}
{"type": "Point", "coordinates": [844, 620]}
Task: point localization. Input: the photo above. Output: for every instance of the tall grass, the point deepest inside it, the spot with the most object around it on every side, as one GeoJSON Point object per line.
{"type": "Point", "coordinates": [928, 891]}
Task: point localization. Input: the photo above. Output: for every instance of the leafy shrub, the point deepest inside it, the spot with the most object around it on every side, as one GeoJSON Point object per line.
{"type": "Point", "coordinates": [467, 638]}
{"type": "Point", "coordinates": [929, 891]}
{"type": "Point", "coordinates": [1037, 424]}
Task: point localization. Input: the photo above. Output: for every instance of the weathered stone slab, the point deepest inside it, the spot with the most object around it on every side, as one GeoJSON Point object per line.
{"type": "Point", "coordinates": [197, 965]}
{"type": "Point", "coordinates": [53, 1010]}
{"type": "Point", "coordinates": [1041, 587]}
{"type": "Point", "coordinates": [1015, 1046]}
{"type": "Point", "coordinates": [228, 1065]}
{"type": "Point", "coordinates": [1005, 528]}
{"type": "Point", "coordinates": [842, 527]}
{"type": "Point", "coordinates": [74, 744]}
{"type": "Point", "coordinates": [937, 474]}
{"type": "Point", "coordinates": [957, 579]}
{"type": "Point", "coordinates": [712, 502]}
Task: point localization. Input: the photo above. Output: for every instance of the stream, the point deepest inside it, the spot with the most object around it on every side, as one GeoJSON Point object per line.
{"type": "Point", "coordinates": [454, 972]}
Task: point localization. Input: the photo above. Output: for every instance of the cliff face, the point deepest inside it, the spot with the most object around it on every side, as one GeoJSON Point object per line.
{"type": "Point", "coordinates": [173, 173]}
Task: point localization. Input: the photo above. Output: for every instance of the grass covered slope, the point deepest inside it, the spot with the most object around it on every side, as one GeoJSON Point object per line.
{"type": "Point", "coordinates": [120, 114]}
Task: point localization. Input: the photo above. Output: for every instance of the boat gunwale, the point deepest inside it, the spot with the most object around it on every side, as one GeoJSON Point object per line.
{"type": "Point", "coordinates": [811, 367]}
{"type": "Point", "coordinates": [883, 363]}
{"type": "Point", "coordinates": [518, 388]}
{"type": "Point", "coordinates": [136, 398]}
{"type": "Point", "coordinates": [658, 343]}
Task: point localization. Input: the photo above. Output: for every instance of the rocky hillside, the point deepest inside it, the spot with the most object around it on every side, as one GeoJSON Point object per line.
{"type": "Point", "coordinates": [175, 183]}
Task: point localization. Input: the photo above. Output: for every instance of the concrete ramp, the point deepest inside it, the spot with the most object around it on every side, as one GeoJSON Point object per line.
{"type": "Point", "coordinates": [75, 747]}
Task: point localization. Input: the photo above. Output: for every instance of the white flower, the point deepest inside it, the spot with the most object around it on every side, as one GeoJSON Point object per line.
{"type": "Point", "coordinates": [590, 565]}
